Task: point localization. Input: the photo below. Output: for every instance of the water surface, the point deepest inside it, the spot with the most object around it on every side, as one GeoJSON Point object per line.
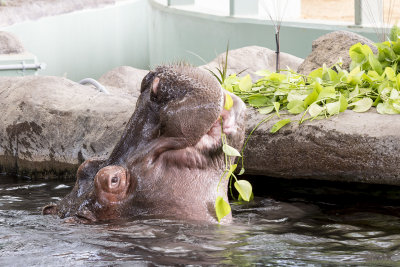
{"type": "Point", "coordinates": [293, 224]}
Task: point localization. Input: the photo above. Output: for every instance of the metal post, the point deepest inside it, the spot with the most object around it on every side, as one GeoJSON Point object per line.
{"type": "Point", "coordinates": [368, 12]}
{"type": "Point", "coordinates": [231, 8]}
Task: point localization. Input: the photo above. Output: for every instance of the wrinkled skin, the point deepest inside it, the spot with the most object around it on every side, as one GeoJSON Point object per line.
{"type": "Point", "coordinates": [169, 160]}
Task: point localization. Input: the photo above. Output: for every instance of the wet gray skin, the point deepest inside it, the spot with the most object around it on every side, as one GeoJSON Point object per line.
{"type": "Point", "coordinates": [169, 160]}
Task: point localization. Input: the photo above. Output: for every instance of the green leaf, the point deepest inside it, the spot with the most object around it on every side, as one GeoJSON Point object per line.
{"type": "Point", "coordinates": [343, 103]}
{"type": "Point", "coordinates": [295, 96]}
{"type": "Point", "coordinates": [390, 73]}
{"type": "Point", "coordinates": [245, 83]}
{"type": "Point", "coordinates": [327, 92]}
{"type": "Point", "coordinates": [396, 47]}
{"type": "Point", "coordinates": [277, 77]}
{"type": "Point", "coordinates": [315, 110]}
{"type": "Point", "coordinates": [232, 168]}
{"type": "Point", "coordinates": [276, 106]}
{"type": "Point", "coordinates": [296, 106]}
{"type": "Point", "coordinates": [263, 73]}
{"type": "Point", "coordinates": [258, 100]}
{"type": "Point", "coordinates": [222, 208]}
{"type": "Point", "coordinates": [316, 73]}
{"type": "Point", "coordinates": [241, 171]}
{"type": "Point", "coordinates": [359, 53]}
{"type": "Point", "coordinates": [244, 188]}
{"type": "Point", "coordinates": [376, 66]}
{"type": "Point", "coordinates": [394, 94]}
{"type": "Point", "coordinates": [230, 151]}
{"type": "Point", "coordinates": [333, 108]}
{"type": "Point", "coordinates": [362, 105]}
{"type": "Point", "coordinates": [355, 75]}
{"type": "Point", "coordinates": [228, 102]}
{"type": "Point", "coordinates": [279, 125]}
{"type": "Point", "coordinates": [251, 197]}
{"type": "Point", "coordinates": [311, 98]}
{"type": "Point", "coordinates": [266, 110]}
{"type": "Point", "coordinates": [386, 108]}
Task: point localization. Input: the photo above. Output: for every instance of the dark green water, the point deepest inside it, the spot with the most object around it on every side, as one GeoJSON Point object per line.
{"type": "Point", "coordinates": [295, 223]}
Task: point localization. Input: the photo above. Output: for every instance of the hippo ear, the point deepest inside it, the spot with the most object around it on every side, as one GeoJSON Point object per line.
{"type": "Point", "coordinates": [146, 81]}
{"type": "Point", "coordinates": [154, 86]}
{"type": "Point", "coordinates": [49, 209]}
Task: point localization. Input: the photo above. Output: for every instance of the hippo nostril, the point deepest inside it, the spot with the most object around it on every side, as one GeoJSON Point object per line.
{"type": "Point", "coordinates": [114, 181]}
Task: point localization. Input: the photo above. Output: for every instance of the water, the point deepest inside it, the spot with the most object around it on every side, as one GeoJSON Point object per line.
{"type": "Point", "coordinates": [296, 223]}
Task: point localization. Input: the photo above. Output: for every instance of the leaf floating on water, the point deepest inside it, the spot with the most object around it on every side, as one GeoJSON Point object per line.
{"type": "Point", "coordinates": [244, 188]}
{"type": "Point", "coordinates": [222, 208]}
{"type": "Point", "coordinates": [279, 125]}
{"type": "Point", "coordinates": [230, 151]}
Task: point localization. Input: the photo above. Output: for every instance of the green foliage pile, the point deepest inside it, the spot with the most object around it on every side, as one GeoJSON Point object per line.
{"type": "Point", "coordinates": [373, 81]}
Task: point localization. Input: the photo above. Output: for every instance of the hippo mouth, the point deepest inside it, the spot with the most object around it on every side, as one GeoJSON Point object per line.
{"type": "Point", "coordinates": [226, 122]}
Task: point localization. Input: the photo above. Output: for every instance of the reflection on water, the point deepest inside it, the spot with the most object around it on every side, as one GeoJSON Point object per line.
{"type": "Point", "coordinates": [291, 226]}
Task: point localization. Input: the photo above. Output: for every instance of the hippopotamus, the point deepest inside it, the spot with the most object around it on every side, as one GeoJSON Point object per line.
{"type": "Point", "coordinates": [169, 161]}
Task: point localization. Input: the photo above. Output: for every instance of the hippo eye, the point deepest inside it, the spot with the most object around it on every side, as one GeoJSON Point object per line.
{"type": "Point", "coordinates": [111, 183]}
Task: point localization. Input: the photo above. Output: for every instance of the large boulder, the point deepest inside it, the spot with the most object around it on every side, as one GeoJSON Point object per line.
{"type": "Point", "coordinates": [10, 44]}
{"type": "Point", "coordinates": [328, 48]}
{"type": "Point", "coordinates": [126, 78]}
{"type": "Point", "coordinates": [250, 59]}
{"type": "Point", "coordinates": [351, 147]}
{"type": "Point", "coordinates": [50, 125]}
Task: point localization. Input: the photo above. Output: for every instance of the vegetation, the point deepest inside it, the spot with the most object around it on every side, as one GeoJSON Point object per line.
{"type": "Point", "coordinates": [373, 81]}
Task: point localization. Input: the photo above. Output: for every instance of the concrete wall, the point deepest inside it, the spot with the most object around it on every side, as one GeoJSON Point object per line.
{"type": "Point", "coordinates": [143, 33]}
{"type": "Point", "coordinates": [88, 43]}
{"type": "Point", "coordinates": [175, 33]}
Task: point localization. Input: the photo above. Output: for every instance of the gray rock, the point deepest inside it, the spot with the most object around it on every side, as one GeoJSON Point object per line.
{"type": "Point", "coordinates": [330, 47]}
{"type": "Point", "coordinates": [10, 44]}
{"type": "Point", "coordinates": [126, 78]}
{"type": "Point", "coordinates": [351, 147]}
{"type": "Point", "coordinates": [253, 58]}
{"type": "Point", "coordinates": [50, 125]}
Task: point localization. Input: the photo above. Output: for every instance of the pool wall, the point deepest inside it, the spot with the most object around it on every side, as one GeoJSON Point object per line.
{"type": "Point", "coordinates": [144, 33]}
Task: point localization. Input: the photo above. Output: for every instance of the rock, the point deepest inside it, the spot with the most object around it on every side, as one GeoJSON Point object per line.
{"type": "Point", "coordinates": [10, 44]}
{"type": "Point", "coordinates": [126, 78]}
{"type": "Point", "coordinates": [253, 58]}
{"type": "Point", "coordinates": [351, 147]}
{"type": "Point", "coordinates": [328, 48]}
{"type": "Point", "coordinates": [50, 125]}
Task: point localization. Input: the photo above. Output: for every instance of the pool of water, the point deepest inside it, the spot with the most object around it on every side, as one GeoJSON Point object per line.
{"type": "Point", "coordinates": [293, 224]}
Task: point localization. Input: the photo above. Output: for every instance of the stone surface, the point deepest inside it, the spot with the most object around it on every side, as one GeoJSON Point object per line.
{"type": "Point", "coordinates": [10, 44]}
{"type": "Point", "coordinates": [126, 78]}
{"type": "Point", "coordinates": [50, 125]}
{"type": "Point", "coordinates": [250, 59]}
{"type": "Point", "coordinates": [328, 48]}
{"type": "Point", "coordinates": [352, 147]}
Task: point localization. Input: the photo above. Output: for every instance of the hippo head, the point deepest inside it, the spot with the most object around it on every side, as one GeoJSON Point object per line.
{"type": "Point", "coordinates": [169, 160]}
